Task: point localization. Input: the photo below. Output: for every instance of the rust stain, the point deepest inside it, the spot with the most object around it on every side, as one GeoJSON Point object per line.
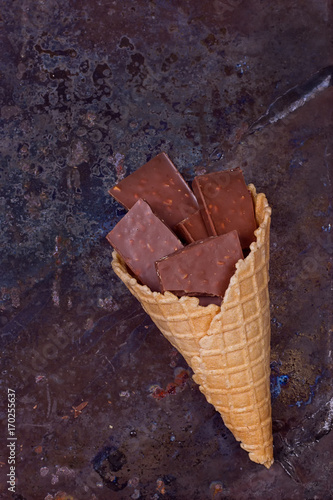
{"type": "Point", "coordinates": [217, 490]}
{"type": "Point", "coordinates": [62, 495]}
{"type": "Point", "coordinates": [78, 409]}
{"type": "Point", "coordinates": [174, 387]}
{"type": "Point", "coordinates": [160, 486]}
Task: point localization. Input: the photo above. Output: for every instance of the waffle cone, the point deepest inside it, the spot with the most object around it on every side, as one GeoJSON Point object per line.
{"type": "Point", "coordinates": [227, 347]}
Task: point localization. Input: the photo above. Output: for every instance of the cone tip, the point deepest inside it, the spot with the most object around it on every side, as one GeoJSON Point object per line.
{"type": "Point", "coordinates": [266, 460]}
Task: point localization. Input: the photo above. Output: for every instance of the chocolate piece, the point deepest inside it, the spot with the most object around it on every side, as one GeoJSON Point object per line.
{"type": "Point", "coordinates": [160, 184]}
{"type": "Point", "coordinates": [206, 300]}
{"type": "Point", "coordinates": [226, 204]}
{"type": "Point", "coordinates": [141, 238]}
{"type": "Point", "coordinates": [201, 268]}
{"type": "Point", "coordinates": [192, 228]}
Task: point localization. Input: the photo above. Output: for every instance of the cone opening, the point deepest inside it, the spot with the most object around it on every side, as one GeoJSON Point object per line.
{"type": "Point", "coordinates": [262, 212]}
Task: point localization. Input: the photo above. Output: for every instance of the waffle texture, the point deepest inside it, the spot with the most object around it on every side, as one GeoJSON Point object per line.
{"type": "Point", "coordinates": [227, 347]}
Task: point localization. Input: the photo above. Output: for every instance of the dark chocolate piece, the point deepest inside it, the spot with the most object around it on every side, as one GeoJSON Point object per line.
{"type": "Point", "coordinates": [141, 238]}
{"type": "Point", "coordinates": [160, 184]}
{"type": "Point", "coordinates": [201, 268]}
{"type": "Point", "coordinates": [192, 228]}
{"type": "Point", "coordinates": [226, 204]}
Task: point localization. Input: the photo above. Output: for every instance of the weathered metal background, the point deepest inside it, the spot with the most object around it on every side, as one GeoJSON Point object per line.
{"type": "Point", "coordinates": [89, 91]}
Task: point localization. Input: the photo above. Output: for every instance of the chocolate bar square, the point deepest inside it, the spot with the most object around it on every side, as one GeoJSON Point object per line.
{"type": "Point", "coordinates": [160, 184]}
{"type": "Point", "coordinates": [192, 228]}
{"type": "Point", "coordinates": [141, 238]}
{"type": "Point", "coordinates": [201, 268]}
{"type": "Point", "coordinates": [226, 204]}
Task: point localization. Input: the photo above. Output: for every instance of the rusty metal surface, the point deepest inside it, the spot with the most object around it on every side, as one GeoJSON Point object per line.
{"type": "Point", "coordinates": [89, 91]}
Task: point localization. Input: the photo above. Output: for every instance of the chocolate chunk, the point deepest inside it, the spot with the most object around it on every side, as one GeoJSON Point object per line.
{"type": "Point", "coordinates": [141, 238]}
{"type": "Point", "coordinates": [226, 204]}
{"type": "Point", "coordinates": [201, 268]}
{"type": "Point", "coordinates": [160, 184]}
{"type": "Point", "coordinates": [192, 228]}
{"type": "Point", "coordinates": [206, 300]}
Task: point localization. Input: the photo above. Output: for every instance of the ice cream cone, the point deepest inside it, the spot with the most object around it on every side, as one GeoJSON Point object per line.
{"type": "Point", "coordinates": [227, 347]}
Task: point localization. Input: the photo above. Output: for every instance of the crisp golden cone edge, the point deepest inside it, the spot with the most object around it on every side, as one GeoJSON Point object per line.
{"type": "Point", "coordinates": [227, 347]}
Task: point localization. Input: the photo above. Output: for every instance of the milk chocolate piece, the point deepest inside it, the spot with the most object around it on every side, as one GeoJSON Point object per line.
{"type": "Point", "coordinates": [192, 228]}
{"type": "Point", "coordinates": [206, 300]}
{"type": "Point", "coordinates": [226, 204]}
{"type": "Point", "coordinates": [141, 238]}
{"type": "Point", "coordinates": [201, 268]}
{"type": "Point", "coordinates": [160, 184]}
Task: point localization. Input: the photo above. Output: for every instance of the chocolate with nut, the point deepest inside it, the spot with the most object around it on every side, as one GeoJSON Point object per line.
{"type": "Point", "coordinates": [226, 204]}
{"type": "Point", "coordinates": [201, 268]}
{"type": "Point", "coordinates": [141, 238]}
{"type": "Point", "coordinates": [192, 228]}
{"type": "Point", "coordinates": [160, 184]}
